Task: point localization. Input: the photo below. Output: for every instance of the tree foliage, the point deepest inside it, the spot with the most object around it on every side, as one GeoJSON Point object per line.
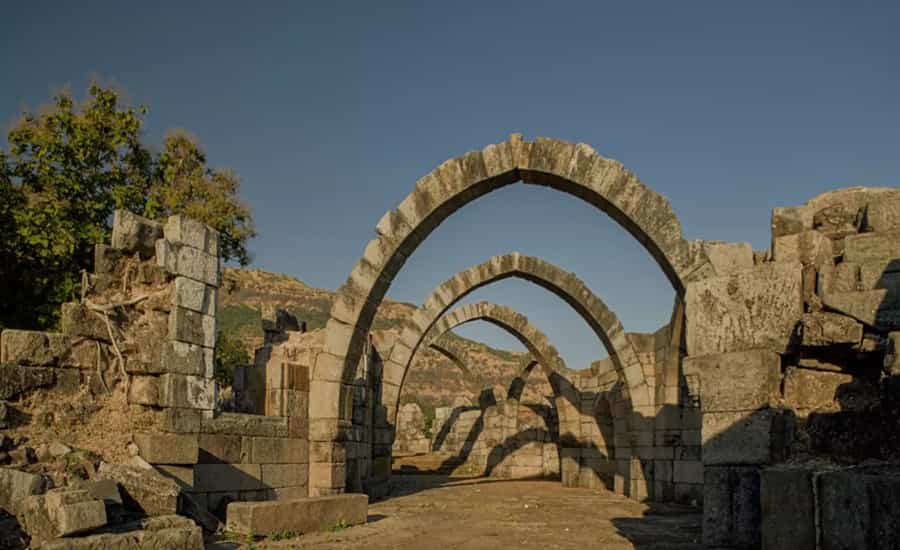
{"type": "Point", "coordinates": [67, 168]}
{"type": "Point", "coordinates": [230, 354]}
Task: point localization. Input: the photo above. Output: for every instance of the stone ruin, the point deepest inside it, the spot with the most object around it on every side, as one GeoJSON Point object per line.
{"type": "Point", "coordinates": [771, 398]}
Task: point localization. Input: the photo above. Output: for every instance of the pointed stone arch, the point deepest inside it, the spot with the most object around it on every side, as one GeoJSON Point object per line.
{"type": "Point", "coordinates": [566, 285]}
{"type": "Point", "coordinates": [572, 168]}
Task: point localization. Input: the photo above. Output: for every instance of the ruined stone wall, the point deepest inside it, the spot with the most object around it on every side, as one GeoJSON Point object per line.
{"type": "Point", "coordinates": [789, 361]}
{"type": "Point", "coordinates": [411, 437]}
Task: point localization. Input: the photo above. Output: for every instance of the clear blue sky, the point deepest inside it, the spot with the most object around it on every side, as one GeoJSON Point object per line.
{"type": "Point", "coordinates": [330, 111]}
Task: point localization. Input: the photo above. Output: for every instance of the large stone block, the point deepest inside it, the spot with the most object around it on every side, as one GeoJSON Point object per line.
{"type": "Point", "coordinates": [881, 274]}
{"type": "Point", "coordinates": [859, 509]}
{"type": "Point", "coordinates": [300, 515]}
{"type": "Point", "coordinates": [279, 450]}
{"type": "Point", "coordinates": [134, 234]}
{"type": "Point", "coordinates": [227, 477]}
{"type": "Point", "coordinates": [746, 437]}
{"type": "Point", "coordinates": [16, 379]}
{"type": "Point", "coordinates": [728, 258]}
{"type": "Point", "coordinates": [167, 448]}
{"type": "Point", "coordinates": [78, 320]}
{"type": "Point", "coordinates": [144, 390]}
{"type": "Point", "coordinates": [192, 327]}
{"type": "Point", "coordinates": [195, 296]}
{"type": "Point", "coordinates": [74, 511]}
{"type": "Point", "coordinates": [188, 262]}
{"type": "Point", "coordinates": [871, 247]}
{"type": "Point", "coordinates": [223, 449]}
{"type": "Point", "coordinates": [877, 308]}
{"type": "Point", "coordinates": [182, 230]}
{"type": "Point", "coordinates": [754, 308]}
{"type": "Point", "coordinates": [245, 424]}
{"type": "Point", "coordinates": [808, 247]}
{"type": "Point", "coordinates": [29, 347]}
{"type": "Point", "coordinates": [143, 490]}
{"type": "Point", "coordinates": [185, 358]}
{"type": "Point", "coordinates": [736, 381]}
{"type": "Point", "coordinates": [787, 508]}
{"type": "Point", "coordinates": [826, 329]}
{"type": "Point", "coordinates": [169, 532]}
{"type": "Point", "coordinates": [189, 392]}
{"type": "Point", "coordinates": [731, 507]}
{"type": "Point", "coordinates": [284, 475]}
{"type": "Point", "coordinates": [812, 389]}
{"type": "Point", "coordinates": [883, 214]}
{"type": "Point", "coordinates": [16, 486]}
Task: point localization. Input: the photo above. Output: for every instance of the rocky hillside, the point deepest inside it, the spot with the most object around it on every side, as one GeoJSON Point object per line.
{"type": "Point", "coordinates": [433, 381]}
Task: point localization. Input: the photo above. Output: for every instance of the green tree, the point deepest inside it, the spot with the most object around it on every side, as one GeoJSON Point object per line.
{"type": "Point", "coordinates": [230, 354]}
{"type": "Point", "coordinates": [67, 168]}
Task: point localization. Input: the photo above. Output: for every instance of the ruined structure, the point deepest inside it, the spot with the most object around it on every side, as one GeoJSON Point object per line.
{"type": "Point", "coordinates": [771, 398]}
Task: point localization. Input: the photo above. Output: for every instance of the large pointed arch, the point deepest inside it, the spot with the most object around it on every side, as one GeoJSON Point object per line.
{"type": "Point", "coordinates": [566, 285]}
{"type": "Point", "coordinates": [572, 168]}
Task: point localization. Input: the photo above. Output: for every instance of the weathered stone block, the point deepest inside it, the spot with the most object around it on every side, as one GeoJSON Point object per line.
{"type": "Point", "coordinates": [736, 381]}
{"type": "Point", "coordinates": [143, 490]}
{"type": "Point", "coordinates": [227, 477]}
{"type": "Point", "coordinates": [279, 450]}
{"type": "Point", "coordinates": [179, 420]}
{"type": "Point", "coordinates": [843, 277]}
{"type": "Point", "coordinates": [305, 515]}
{"type": "Point", "coordinates": [144, 390]}
{"type": "Point", "coordinates": [687, 471]}
{"type": "Point", "coordinates": [882, 274]}
{"type": "Point", "coordinates": [812, 389]}
{"type": "Point", "coordinates": [859, 509]}
{"type": "Point", "coordinates": [188, 261]}
{"type": "Point", "coordinates": [192, 327]}
{"type": "Point", "coordinates": [728, 258]}
{"type": "Point", "coordinates": [747, 437]}
{"type": "Point", "coordinates": [29, 347]}
{"type": "Point", "coordinates": [787, 509]}
{"type": "Point", "coordinates": [754, 308]}
{"type": "Point", "coordinates": [245, 424]}
{"type": "Point", "coordinates": [16, 486]}
{"type": "Point", "coordinates": [182, 230]}
{"type": "Point", "coordinates": [808, 247]}
{"type": "Point", "coordinates": [221, 448]}
{"type": "Point", "coordinates": [826, 329]}
{"type": "Point", "coordinates": [871, 247]}
{"type": "Point", "coordinates": [189, 392]}
{"type": "Point", "coordinates": [169, 532]}
{"type": "Point", "coordinates": [185, 358]}
{"type": "Point", "coordinates": [731, 507]}
{"type": "Point", "coordinates": [194, 295]}
{"type": "Point", "coordinates": [74, 511]}
{"type": "Point", "coordinates": [16, 379]}
{"type": "Point", "coordinates": [78, 320]}
{"type": "Point", "coordinates": [167, 448]}
{"type": "Point", "coordinates": [883, 214]}
{"type": "Point", "coordinates": [134, 234]}
{"type": "Point", "coordinates": [284, 475]}
{"type": "Point", "coordinates": [878, 308]}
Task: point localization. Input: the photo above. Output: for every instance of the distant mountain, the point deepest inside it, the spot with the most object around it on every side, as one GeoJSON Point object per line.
{"type": "Point", "coordinates": [433, 381]}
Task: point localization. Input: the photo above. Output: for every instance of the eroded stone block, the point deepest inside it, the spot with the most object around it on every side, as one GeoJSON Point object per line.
{"type": "Point", "coordinates": [135, 234]}
{"type": "Point", "coordinates": [167, 448]}
{"type": "Point", "coordinates": [826, 329]}
{"type": "Point", "coordinates": [752, 309]}
{"type": "Point", "coordinates": [787, 508]}
{"type": "Point", "coordinates": [731, 507]}
{"type": "Point", "coordinates": [736, 381]}
{"type": "Point", "coordinates": [30, 347]}
{"type": "Point", "coordinates": [305, 515]}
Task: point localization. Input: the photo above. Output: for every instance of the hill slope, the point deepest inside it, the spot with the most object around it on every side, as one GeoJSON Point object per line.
{"type": "Point", "coordinates": [433, 381]}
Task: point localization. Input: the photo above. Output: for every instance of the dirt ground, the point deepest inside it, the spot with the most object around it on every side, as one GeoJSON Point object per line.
{"type": "Point", "coordinates": [437, 512]}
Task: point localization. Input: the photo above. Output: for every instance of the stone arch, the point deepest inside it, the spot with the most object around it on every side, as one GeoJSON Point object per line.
{"type": "Point", "coordinates": [566, 285]}
{"type": "Point", "coordinates": [573, 168]}
{"type": "Point", "coordinates": [538, 346]}
{"type": "Point", "coordinates": [449, 349]}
